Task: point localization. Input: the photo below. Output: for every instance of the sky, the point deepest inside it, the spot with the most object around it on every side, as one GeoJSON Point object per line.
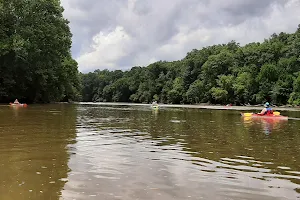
{"type": "Point", "coordinates": [120, 34]}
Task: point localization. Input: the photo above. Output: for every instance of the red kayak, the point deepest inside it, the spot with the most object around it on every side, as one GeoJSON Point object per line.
{"type": "Point", "coordinates": [267, 116]}
{"type": "Point", "coordinates": [18, 104]}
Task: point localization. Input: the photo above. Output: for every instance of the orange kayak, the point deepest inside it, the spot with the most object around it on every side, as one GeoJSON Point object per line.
{"type": "Point", "coordinates": [268, 116]}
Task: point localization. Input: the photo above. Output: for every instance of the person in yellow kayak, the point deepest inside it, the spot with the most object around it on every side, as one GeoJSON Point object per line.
{"type": "Point", "coordinates": [267, 110]}
{"type": "Point", "coordinates": [154, 103]}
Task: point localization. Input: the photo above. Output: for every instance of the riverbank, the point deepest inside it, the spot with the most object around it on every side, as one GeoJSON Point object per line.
{"type": "Point", "coordinates": [197, 106]}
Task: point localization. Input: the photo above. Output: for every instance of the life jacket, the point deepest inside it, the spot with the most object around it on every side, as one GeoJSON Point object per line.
{"type": "Point", "coordinates": [269, 111]}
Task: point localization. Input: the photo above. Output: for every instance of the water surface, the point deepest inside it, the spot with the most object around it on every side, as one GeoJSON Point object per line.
{"type": "Point", "coordinates": [123, 152]}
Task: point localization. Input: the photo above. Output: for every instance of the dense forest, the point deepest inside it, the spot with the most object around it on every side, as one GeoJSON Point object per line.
{"type": "Point", "coordinates": [36, 66]}
{"type": "Point", "coordinates": [35, 58]}
{"type": "Point", "coordinates": [218, 74]}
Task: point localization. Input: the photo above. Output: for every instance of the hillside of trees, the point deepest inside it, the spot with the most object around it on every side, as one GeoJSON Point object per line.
{"type": "Point", "coordinates": [35, 59]}
{"type": "Point", "coordinates": [36, 66]}
{"type": "Point", "coordinates": [218, 74]}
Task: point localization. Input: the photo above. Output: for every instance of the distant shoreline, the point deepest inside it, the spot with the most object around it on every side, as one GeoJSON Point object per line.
{"type": "Point", "coordinates": [198, 106]}
{"type": "Point", "coordinates": [195, 106]}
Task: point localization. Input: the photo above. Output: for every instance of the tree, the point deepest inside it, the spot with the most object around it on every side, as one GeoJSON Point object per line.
{"type": "Point", "coordinates": [244, 88]}
{"type": "Point", "coordinates": [219, 95]}
{"type": "Point", "coordinates": [295, 95]}
{"type": "Point", "coordinates": [175, 95]}
{"type": "Point", "coordinates": [35, 56]}
{"type": "Point", "coordinates": [196, 91]}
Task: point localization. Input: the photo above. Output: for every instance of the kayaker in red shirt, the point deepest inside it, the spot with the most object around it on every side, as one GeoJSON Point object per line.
{"type": "Point", "coordinates": [267, 110]}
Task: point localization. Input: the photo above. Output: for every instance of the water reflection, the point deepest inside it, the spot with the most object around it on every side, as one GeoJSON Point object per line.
{"type": "Point", "coordinates": [34, 151]}
{"type": "Point", "coordinates": [266, 124]}
{"type": "Point", "coordinates": [135, 153]}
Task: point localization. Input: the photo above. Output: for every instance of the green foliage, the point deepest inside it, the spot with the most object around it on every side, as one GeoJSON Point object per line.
{"type": "Point", "coordinates": [196, 92]}
{"type": "Point", "coordinates": [219, 95]}
{"type": "Point", "coordinates": [295, 95]}
{"type": "Point", "coordinates": [35, 60]}
{"type": "Point", "coordinates": [244, 87]}
{"type": "Point", "coordinates": [227, 73]}
{"type": "Point", "coordinates": [175, 95]}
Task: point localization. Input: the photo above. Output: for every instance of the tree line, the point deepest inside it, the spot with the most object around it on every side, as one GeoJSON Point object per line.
{"type": "Point", "coordinates": [218, 74]}
{"type": "Point", "coordinates": [35, 58]}
{"type": "Point", "coordinates": [36, 66]}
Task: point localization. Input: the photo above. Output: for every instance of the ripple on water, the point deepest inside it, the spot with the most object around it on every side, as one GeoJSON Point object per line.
{"type": "Point", "coordinates": [147, 157]}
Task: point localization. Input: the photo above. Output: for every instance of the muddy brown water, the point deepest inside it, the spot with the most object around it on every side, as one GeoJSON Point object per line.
{"type": "Point", "coordinates": [129, 152]}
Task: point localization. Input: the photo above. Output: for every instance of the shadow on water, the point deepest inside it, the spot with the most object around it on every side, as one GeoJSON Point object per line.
{"type": "Point", "coordinates": [34, 150]}
{"type": "Point", "coordinates": [128, 153]}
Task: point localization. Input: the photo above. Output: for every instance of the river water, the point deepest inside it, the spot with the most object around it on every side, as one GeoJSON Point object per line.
{"type": "Point", "coordinates": [133, 152]}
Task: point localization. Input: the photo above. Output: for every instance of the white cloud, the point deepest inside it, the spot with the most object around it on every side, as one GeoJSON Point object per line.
{"type": "Point", "coordinates": [106, 49]}
{"type": "Point", "coordinates": [121, 34]}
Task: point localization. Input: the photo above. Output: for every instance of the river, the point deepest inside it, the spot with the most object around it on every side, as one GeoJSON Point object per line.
{"type": "Point", "coordinates": [127, 152]}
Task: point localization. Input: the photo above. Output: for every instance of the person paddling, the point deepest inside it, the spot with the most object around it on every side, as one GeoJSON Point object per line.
{"type": "Point", "coordinates": [154, 103]}
{"type": "Point", "coordinates": [267, 110]}
{"type": "Point", "coordinates": [16, 101]}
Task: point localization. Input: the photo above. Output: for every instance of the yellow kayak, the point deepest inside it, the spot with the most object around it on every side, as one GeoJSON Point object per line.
{"type": "Point", "coordinates": [155, 107]}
